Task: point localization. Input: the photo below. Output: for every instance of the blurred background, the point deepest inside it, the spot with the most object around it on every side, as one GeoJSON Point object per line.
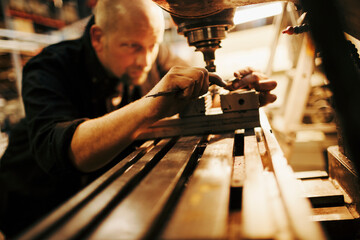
{"type": "Point", "coordinates": [302, 117]}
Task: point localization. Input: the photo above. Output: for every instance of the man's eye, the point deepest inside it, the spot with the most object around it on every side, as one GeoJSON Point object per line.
{"type": "Point", "coordinates": [132, 46]}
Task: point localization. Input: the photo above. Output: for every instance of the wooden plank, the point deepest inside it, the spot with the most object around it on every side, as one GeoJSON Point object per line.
{"type": "Point", "coordinates": [133, 217]}
{"type": "Point", "coordinates": [322, 193]}
{"type": "Point", "coordinates": [257, 222]}
{"type": "Point", "coordinates": [238, 170]}
{"type": "Point", "coordinates": [276, 206]}
{"type": "Point", "coordinates": [65, 211]}
{"type": "Point", "coordinates": [202, 211]}
{"type": "Point", "coordinates": [213, 123]}
{"type": "Point", "coordinates": [238, 174]}
{"type": "Point", "coordinates": [338, 222]}
{"type": "Point", "coordinates": [296, 100]}
{"type": "Point", "coordinates": [237, 182]}
{"type": "Point", "coordinates": [297, 207]}
{"type": "Point", "coordinates": [93, 211]}
{"type": "Point", "coordinates": [311, 174]}
{"type": "Point", "coordinates": [277, 209]}
{"type": "Point", "coordinates": [266, 160]}
{"type": "Point", "coordinates": [331, 214]}
{"type": "Point", "coordinates": [234, 225]}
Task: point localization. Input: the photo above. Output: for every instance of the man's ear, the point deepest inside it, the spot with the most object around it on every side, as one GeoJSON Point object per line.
{"type": "Point", "coordinates": [97, 38]}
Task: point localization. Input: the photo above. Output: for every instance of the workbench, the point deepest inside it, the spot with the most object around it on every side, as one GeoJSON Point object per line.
{"type": "Point", "coordinates": [235, 185]}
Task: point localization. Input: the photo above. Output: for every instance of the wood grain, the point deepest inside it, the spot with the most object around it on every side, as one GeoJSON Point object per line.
{"type": "Point", "coordinates": [297, 207]}
{"type": "Point", "coordinates": [213, 123]}
{"type": "Point", "coordinates": [55, 219]}
{"type": "Point", "coordinates": [92, 213]}
{"type": "Point", "coordinates": [202, 212]}
{"type": "Point", "coordinates": [256, 213]}
{"type": "Point", "coordinates": [132, 218]}
{"type": "Point", "coordinates": [322, 193]}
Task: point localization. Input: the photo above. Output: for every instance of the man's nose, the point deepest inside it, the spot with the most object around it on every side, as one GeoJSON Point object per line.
{"type": "Point", "coordinates": [144, 58]}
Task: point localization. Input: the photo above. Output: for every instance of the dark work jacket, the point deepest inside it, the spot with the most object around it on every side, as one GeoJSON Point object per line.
{"type": "Point", "coordinates": [62, 87]}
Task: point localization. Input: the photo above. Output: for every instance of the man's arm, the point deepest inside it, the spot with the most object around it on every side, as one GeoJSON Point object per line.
{"type": "Point", "coordinates": [98, 141]}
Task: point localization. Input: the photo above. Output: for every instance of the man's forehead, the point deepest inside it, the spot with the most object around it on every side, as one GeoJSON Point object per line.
{"type": "Point", "coordinates": [139, 31]}
{"type": "Point", "coordinates": [138, 36]}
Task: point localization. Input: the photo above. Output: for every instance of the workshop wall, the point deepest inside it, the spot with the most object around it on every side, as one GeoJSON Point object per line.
{"type": "Point", "coordinates": [26, 26]}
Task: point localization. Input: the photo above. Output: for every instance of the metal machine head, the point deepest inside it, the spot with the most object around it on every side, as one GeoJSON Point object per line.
{"type": "Point", "coordinates": [206, 33]}
{"type": "Point", "coordinates": [205, 22]}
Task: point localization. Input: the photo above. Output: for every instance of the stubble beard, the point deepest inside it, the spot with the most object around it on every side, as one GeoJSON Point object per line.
{"type": "Point", "coordinates": [136, 80]}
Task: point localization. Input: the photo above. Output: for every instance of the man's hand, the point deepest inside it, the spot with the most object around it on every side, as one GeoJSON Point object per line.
{"type": "Point", "coordinates": [249, 78]}
{"type": "Point", "coordinates": [188, 83]}
{"type": "Point", "coordinates": [97, 141]}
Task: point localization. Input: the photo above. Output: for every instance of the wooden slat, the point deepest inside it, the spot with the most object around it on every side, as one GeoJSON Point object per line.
{"type": "Point", "coordinates": [237, 182]}
{"type": "Point", "coordinates": [209, 124]}
{"type": "Point", "coordinates": [133, 217]}
{"type": "Point", "coordinates": [338, 222]}
{"type": "Point", "coordinates": [311, 174]}
{"type": "Point", "coordinates": [202, 212]}
{"type": "Point", "coordinates": [296, 101]}
{"type": "Point", "coordinates": [276, 206]}
{"type": "Point", "coordinates": [238, 170]}
{"type": "Point", "coordinates": [331, 214]}
{"type": "Point", "coordinates": [234, 225]}
{"type": "Point", "coordinates": [238, 173]}
{"type": "Point", "coordinates": [92, 212]}
{"type": "Point", "coordinates": [277, 209]}
{"type": "Point", "coordinates": [297, 207]}
{"type": "Point", "coordinates": [322, 193]}
{"type": "Point", "coordinates": [266, 160]}
{"type": "Point", "coordinates": [238, 176]}
{"type": "Point", "coordinates": [66, 210]}
{"type": "Point", "coordinates": [256, 215]}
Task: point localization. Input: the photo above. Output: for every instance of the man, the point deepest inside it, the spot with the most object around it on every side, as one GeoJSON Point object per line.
{"type": "Point", "coordinates": [78, 116]}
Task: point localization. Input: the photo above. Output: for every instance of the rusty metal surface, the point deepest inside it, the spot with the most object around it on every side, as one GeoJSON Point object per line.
{"type": "Point", "coordinates": [342, 170]}
{"type": "Point", "coordinates": [202, 8]}
{"type": "Point", "coordinates": [350, 10]}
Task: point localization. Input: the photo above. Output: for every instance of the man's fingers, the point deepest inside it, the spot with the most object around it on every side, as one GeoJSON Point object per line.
{"type": "Point", "coordinates": [266, 85]}
{"type": "Point", "coordinates": [237, 84]}
{"type": "Point", "coordinates": [188, 91]}
{"type": "Point", "coordinates": [203, 70]}
{"type": "Point", "coordinates": [255, 80]}
{"type": "Point", "coordinates": [205, 87]}
{"type": "Point", "coordinates": [198, 81]}
{"type": "Point", "coordinates": [217, 80]}
{"type": "Point", "coordinates": [194, 81]}
{"type": "Point", "coordinates": [266, 98]}
{"type": "Point", "coordinates": [201, 84]}
{"type": "Point", "coordinates": [243, 72]}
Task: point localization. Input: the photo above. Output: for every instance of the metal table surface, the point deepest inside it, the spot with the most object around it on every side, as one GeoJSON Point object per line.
{"type": "Point", "coordinates": [226, 186]}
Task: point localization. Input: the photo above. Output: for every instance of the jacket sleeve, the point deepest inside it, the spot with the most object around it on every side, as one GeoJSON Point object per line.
{"type": "Point", "coordinates": [50, 114]}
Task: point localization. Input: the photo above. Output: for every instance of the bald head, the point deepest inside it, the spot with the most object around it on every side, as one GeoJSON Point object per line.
{"type": "Point", "coordinates": [117, 15]}
{"type": "Point", "coordinates": [126, 37]}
